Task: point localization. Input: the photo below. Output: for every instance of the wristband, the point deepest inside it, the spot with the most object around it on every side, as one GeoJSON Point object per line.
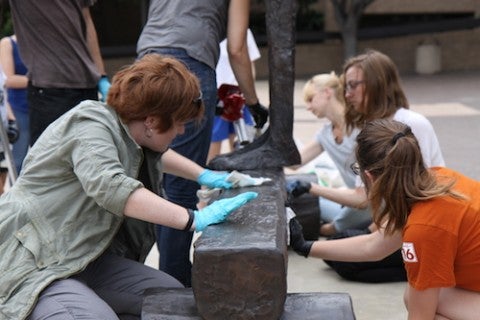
{"type": "Point", "coordinates": [191, 216]}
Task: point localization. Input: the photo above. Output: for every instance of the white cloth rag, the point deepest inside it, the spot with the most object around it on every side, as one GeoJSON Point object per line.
{"type": "Point", "coordinates": [237, 179]}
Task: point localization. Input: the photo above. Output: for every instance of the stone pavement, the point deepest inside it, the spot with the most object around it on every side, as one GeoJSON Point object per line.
{"type": "Point", "coordinates": [451, 101]}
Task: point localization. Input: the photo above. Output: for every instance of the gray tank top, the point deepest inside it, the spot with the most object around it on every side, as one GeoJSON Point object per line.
{"type": "Point", "coordinates": [197, 26]}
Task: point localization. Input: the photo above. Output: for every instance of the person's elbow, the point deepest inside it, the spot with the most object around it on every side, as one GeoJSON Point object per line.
{"type": "Point", "coordinates": [360, 198]}
{"type": "Point", "coordinates": [361, 204]}
{"type": "Point", "coordinates": [358, 202]}
{"type": "Point", "coordinates": [236, 53]}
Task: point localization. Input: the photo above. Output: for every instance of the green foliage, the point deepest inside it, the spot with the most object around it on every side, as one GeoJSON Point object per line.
{"type": "Point", "coordinates": [6, 25]}
{"type": "Point", "coordinates": [308, 19]}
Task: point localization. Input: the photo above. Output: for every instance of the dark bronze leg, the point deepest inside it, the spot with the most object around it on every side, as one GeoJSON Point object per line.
{"type": "Point", "coordinates": [275, 148]}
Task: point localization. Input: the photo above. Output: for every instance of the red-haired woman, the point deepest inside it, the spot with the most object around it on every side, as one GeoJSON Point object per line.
{"type": "Point", "coordinates": [65, 227]}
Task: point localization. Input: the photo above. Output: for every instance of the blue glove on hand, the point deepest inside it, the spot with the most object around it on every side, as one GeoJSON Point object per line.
{"type": "Point", "coordinates": [219, 210]}
{"type": "Point", "coordinates": [103, 87]}
{"type": "Point", "coordinates": [214, 179]}
{"type": "Point", "coordinates": [298, 187]}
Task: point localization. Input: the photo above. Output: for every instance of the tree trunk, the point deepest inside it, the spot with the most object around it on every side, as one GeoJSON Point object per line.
{"type": "Point", "coordinates": [349, 35]}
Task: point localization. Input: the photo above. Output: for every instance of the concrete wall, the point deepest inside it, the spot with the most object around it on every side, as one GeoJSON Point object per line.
{"type": "Point", "coordinates": [404, 7]}
{"type": "Point", "coordinates": [459, 50]}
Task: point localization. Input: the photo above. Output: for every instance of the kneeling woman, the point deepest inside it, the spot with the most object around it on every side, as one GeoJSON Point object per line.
{"type": "Point", "coordinates": [438, 212]}
{"type": "Point", "coordinates": [62, 233]}
{"type": "Point", "coordinates": [432, 214]}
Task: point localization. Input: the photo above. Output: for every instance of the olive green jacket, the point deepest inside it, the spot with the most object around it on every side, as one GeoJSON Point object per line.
{"type": "Point", "coordinates": [67, 206]}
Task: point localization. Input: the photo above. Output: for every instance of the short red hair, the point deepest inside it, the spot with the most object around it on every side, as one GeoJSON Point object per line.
{"type": "Point", "coordinates": [156, 86]}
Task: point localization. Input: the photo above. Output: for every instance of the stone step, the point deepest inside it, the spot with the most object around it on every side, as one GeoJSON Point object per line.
{"type": "Point", "coordinates": [179, 304]}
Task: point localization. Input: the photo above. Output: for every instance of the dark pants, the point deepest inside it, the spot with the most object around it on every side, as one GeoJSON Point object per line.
{"type": "Point", "coordinates": [48, 104]}
{"type": "Point", "coordinates": [174, 245]}
{"type": "Point", "coordinates": [111, 287]}
{"type": "Point", "coordinates": [390, 269]}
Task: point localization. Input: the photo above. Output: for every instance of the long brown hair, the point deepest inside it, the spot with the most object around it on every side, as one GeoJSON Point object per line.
{"type": "Point", "coordinates": [383, 90]}
{"type": "Point", "coordinates": [156, 86]}
{"type": "Point", "coordinates": [389, 151]}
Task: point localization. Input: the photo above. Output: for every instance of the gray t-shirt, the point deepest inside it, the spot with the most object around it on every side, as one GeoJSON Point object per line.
{"type": "Point", "coordinates": [195, 26]}
{"type": "Point", "coordinates": [343, 154]}
{"type": "Point", "coordinates": [51, 36]}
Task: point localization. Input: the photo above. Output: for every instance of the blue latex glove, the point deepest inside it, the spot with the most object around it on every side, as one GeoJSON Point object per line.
{"type": "Point", "coordinates": [219, 210]}
{"type": "Point", "coordinates": [103, 87]}
{"type": "Point", "coordinates": [298, 187]}
{"type": "Point", "coordinates": [214, 179]}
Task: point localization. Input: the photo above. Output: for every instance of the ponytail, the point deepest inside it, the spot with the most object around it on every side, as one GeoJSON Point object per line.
{"type": "Point", "coordinates": [389, 151]}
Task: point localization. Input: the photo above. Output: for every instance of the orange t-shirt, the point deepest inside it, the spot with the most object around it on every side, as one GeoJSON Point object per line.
{"type": "Point", "coordinates": [441, 239]}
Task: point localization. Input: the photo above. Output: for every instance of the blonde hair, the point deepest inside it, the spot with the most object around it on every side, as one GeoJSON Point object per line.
{"type": "Point", "coordinates": [321, 81]}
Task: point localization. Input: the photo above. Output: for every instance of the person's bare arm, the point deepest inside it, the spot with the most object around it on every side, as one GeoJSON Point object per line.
{"type": "Point", "coordinates": [238, 16]}
{"type": "Point", "coordinates": [308, 153]}
{"type": "Point", "coordinates": [369, 247]}
{"type": "Point", "coordinates": [92, 41]}
{"type": "Point", "coordinates": [356, 198]}
{"type": "Point", "coordinates": [422, 304]}
{"type": "Point", "coordinates": [178, 165]}
{"type": "Point", "coordinates": [147, 206]}
{"type": "Point", "coordinates": [13, 81]}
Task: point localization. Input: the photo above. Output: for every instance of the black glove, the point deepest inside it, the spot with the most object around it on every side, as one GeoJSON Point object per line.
{"type": "Point", "coordinates": [259, 113]}
{"type": "Point", "coordinates": [298, 187]}
{"type": "Point", "coordinates": [297, 241]}
{"type": "Point", "coordinates": [12, 131]}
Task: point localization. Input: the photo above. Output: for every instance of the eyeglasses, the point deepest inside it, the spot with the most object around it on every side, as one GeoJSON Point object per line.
{"type": "Point", "coordinates": [352, 85]}
{"type": "Point", "coordinates": [355, 167]}
{"type": "Point", "coordinates": [198, 101]}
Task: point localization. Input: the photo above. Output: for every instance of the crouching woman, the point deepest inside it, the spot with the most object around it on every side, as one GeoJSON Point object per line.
{"type": "Point", "coordinates": [59, 221]}
{"type": "Point", "coordinates": [433, 215]}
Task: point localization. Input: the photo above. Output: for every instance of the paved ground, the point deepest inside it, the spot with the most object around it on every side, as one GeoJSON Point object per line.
{"type": "Point", "coordinates": [452, 103]}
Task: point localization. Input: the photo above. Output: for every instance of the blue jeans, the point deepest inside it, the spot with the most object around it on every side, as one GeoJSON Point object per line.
{"type": "Point", "coordinates": [342, 217]}
{"type": "Point", "coordinates": [174, 245]}
{"type": "Point", "coordinates": [20, 147]}
{"type": "Point", "coordinates": [48, 104]}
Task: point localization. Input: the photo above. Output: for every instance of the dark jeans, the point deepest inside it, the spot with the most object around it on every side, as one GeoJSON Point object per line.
{"type": "Point", "coordinates": [390, 269]}
{"type": "Point", "coordinates": [48, 104]}
{"type": "Point", "coordinates": [111, 287]}
{"type": "Point", "coordinates": [174, 245]}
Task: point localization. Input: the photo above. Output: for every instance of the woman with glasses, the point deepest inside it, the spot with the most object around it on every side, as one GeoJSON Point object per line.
{"type": "Point", "coordinates": [432, 214]}
{"type": "Point", "coordinates": [373, 91]}
{"type": "Point", "coordinates": [66, 224]}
